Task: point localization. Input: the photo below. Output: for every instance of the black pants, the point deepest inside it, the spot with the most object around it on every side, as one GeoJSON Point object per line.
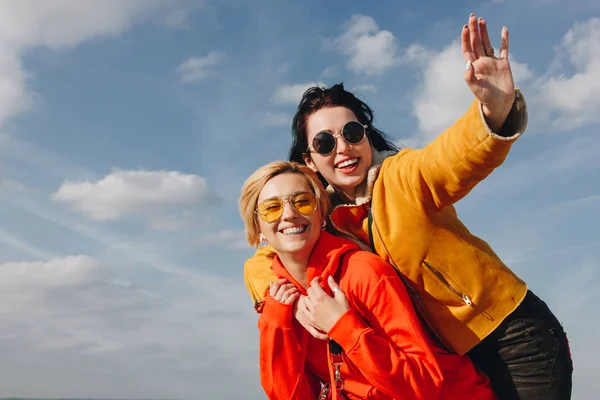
{"type": "Point", "coordinates": [527, 356]}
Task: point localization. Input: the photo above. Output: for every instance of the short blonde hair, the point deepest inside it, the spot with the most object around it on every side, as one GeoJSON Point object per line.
{"type": "Point", "coordinates": [255, 183]}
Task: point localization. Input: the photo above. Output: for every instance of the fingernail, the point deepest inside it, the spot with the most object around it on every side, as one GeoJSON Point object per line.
{"type": "Point", "coordinates": [480, 19]}
{"type": "Point", "coordinates": [330, 278]}
{"type": "Point", "coordinates": [270, 284]}
{"type": "Point", "coordinates": [468, 66]}
{"type": "Point", "coordinates": [504, 27]}
{"type": "Point", "coordinates": [471, 15]}
{"type": "Point", "coordinates": [465, 27]}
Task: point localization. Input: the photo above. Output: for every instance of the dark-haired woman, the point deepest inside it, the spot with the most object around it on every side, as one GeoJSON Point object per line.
{"type": "Point", "coordinates": [400, 204]}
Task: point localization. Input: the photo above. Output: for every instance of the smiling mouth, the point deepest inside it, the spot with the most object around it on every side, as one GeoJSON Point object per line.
{"type": "Point", "coordinates": [348, 163]}
{"type": "Point", "coordinates": [296, 230]}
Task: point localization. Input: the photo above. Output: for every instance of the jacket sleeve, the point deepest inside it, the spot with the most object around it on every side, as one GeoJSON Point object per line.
{"type": "Point", "coordinates": [448, 168]}
{"type": "Point", "coordinates": [258, 272]}
{"type": "Point", "coordinates": [391, 348]}
{"type": "Point", "coordinates": [284, 373]}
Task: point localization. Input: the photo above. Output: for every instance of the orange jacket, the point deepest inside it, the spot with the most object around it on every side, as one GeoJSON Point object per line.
{"type": "Point", "coordinates": [459, 285]}
{"type": "Point", "coordinates": [387, 353]}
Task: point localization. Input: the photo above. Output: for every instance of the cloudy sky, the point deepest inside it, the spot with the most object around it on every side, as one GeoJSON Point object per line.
{"type": "Point", "coordinates": [127, 128]}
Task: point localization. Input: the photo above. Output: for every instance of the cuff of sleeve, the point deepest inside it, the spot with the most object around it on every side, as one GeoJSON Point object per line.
{"type": "Point", "coordinates": [515, 123]}
{"type": "Point", "coordinates": [276, 313]}
{"type": "Point", "coordinates": [347, 330]}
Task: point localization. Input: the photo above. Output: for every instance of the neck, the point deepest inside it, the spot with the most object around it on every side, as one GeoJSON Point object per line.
{"type": "Point", "coordinates": [348, 195]}
{"type": "Point", "coordinates": [296, 265]}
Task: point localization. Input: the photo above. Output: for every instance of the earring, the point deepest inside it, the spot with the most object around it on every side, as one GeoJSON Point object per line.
{"type": "Point", "coordinates": [324, 225]}
{"type": "Point", "coordinates": [263, 240]}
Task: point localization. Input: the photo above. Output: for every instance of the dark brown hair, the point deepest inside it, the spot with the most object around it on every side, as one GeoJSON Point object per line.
{"type": "Point", "coordinates": [316, 98]}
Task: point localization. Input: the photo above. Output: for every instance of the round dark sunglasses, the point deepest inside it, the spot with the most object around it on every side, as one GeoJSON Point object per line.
{"type": "Point", "coordinates": [325, 142]}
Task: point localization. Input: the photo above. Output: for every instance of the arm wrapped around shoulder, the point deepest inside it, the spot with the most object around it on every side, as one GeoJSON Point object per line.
{"type": "Point", "coordinates": [258, 273]}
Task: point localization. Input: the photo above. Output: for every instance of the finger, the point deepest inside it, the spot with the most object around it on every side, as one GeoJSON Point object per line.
{"type": "Point", "coordinates": [316, 282]}
{"type": "Point", "coordinates": [485, 38]}
{"type": "Point", "coordinates": [504, 43]}
{"type": "Point", "coordinates": [465, 40]}
{"type": "Point", "coordinates": [475, 37]}
{"type": "Point", "coordinates": [470, 75]}
{"type": "Point", "coordinates": [335, 289]}
{"type": "Point", "coordinates": [274, 287]}
{"type": "Point", "coordinates": [284, 288]}
{"type": "Point", "coordinates": [292, 298]}
{"type": "Point", "coordinates": [317, 290]}
{"type": "Point", "coordinates": [286, 295]}
{"type": "Point", "coordinates": [317, 334]}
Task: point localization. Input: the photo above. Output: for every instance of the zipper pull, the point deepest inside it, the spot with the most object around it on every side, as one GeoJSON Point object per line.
{"type": "Point", "coordinates": [467, 300]}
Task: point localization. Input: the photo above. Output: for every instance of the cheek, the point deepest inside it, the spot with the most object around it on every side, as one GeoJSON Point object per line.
{"type": "Point", "coordinates": [367, 154]}
{"type": "Point", "coordinates": [324, 163]}
{"type": "Point", "coordinates": [264, 228]}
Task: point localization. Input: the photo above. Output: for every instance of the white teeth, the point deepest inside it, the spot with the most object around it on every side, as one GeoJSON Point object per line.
{"type": "Point", "coordinates": [347, 163]}
{"type": "Point", "coordinates": [294, 231]}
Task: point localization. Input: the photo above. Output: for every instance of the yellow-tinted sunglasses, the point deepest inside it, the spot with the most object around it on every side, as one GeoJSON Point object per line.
{"type": "Point", "coordinates": [271, 209]}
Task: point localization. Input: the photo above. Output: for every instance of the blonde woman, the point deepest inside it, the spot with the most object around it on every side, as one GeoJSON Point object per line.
{"type": "Point", "coordinates": [377, 348]}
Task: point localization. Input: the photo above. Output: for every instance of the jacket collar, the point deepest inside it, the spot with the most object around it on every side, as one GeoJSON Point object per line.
{"type": "Point", "coordinates": [324, 260]}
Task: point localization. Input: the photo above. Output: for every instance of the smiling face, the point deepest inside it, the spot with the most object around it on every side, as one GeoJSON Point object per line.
{"type": "Point", "coordinates": [347, 166]}
{"type": "Point", "coordinates": [293, 234]}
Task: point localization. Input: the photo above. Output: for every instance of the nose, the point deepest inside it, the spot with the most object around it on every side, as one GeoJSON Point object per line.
{"type": "Point", "coordinates": [342, 146]}
{"type": "Point", "coordinates": [289, 212]}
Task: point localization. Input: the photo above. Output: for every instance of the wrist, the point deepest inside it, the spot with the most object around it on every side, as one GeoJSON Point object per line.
{"type": "Point", "coordinates": [496, 118]}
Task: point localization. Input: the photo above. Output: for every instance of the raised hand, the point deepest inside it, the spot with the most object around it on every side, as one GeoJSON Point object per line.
{"type": "Point", "coordinates": [489, 76]}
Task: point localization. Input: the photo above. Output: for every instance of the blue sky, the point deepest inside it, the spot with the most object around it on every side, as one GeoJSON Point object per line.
{"type": "Point", "coordinates": [127, 128]}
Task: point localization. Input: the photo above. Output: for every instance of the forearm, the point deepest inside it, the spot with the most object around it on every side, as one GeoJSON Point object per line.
{"type": "Point", "coordinates": [258, 274]}
{"type": "Point", "coordinates": [448, 168]}
{"type": "Point", "coordinates": [283, 372]}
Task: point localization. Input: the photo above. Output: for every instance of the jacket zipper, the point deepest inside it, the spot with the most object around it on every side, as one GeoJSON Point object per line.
{"type": "Point", "coordinates": [413, 294]}
{"type": "Point", "coordinates": [445, 282]}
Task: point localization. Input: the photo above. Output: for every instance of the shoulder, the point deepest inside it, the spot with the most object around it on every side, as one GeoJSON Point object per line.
{"type": "Point", "coordinates": [364, 265]}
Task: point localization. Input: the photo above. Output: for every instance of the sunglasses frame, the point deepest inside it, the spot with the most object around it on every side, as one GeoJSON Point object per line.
{"type": "Point", "coordinates": [287, 200]}
{"type": "Point", "coordinates": [335, 135]}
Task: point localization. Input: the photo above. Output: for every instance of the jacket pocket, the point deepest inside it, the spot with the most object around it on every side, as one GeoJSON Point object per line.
{"type": "Point", "coordinates": [447, 283]}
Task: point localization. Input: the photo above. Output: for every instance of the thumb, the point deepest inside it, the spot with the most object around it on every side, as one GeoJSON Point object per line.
{"type": "Point", "coordinates": [470, 75]}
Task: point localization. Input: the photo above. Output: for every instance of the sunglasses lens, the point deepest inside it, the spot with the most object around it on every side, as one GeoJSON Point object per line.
{"type": "Point", "coordinates": [270, 210]}
{"type": "Point", "coordinates": [353, 132]}
{"type": "Point", "coordinates": [304, 202]}
{"type": "Point", "coordinates": [323, 143]}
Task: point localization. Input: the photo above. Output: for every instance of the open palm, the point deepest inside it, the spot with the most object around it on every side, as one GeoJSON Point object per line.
{"type": "Point", "coordinates": [489, 76]}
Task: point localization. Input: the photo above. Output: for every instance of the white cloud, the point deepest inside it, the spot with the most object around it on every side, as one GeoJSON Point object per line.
{"type": "Point", "coordinates": [443, 92]}
{"type": "Point", "coordinates": [227, 238]}
{"type": "Point", "coordinates": [81, 321]}
{"type": "Point", "coordinates": [197, 68]}
{"type": "Point", "coordinates": [370, 50]}
{"type": "Point", "coordinates": [575, 99]}
{"type": "Point", "coordinates": [55, 273]}
{"type": "Point", "coordinates": [29, 23]}
{"type": "Point", "coordinates": [418, 54]}
{"type": "Point", "coordinates": [135, 192]}
{"type": "Point", "coordinates": [292, 93]}
{"type": "Point", "coordinates": [330, 72]}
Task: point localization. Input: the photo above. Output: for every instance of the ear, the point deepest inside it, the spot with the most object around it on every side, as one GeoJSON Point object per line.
{"type": "Point", "coordinates": [309, 162]}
